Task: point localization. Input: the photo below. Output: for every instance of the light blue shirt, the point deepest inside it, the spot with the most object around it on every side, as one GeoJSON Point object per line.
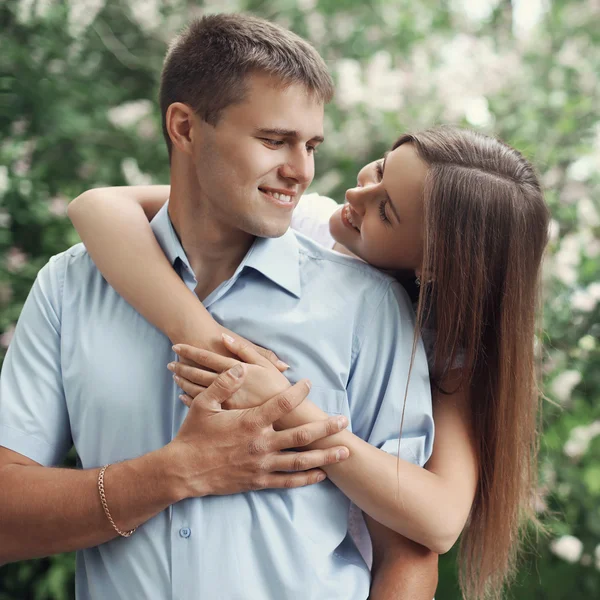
{"type": "Point", "coordinates": [85, 368]}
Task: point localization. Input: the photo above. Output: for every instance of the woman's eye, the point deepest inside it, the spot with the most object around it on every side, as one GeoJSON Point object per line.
{"type": "Point", "coordinates": [379, 170]}
{"type": "Point", "coordinates": [382, 211]}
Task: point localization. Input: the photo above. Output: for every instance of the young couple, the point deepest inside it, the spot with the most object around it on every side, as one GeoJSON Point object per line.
{"type": "Point", "coordinates": [242, 103]}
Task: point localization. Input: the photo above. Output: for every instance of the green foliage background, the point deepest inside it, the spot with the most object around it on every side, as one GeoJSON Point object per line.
{"type": "Point", "coordinates": [77, 110]}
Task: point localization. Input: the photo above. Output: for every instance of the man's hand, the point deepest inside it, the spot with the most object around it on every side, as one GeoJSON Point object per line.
{"type": "Point", "coordinates": [229, 451]}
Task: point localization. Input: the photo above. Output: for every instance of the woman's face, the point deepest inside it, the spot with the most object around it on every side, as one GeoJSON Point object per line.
{"type": "Point", "coordinates": [382, 220]}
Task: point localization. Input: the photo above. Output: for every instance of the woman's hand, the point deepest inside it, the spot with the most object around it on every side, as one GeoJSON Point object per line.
{"type": "Point", "coordinates": [263, 379]}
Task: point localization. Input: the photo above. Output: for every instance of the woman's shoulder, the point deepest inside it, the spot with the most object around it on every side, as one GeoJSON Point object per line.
{"type": "Point", "coordinates": [311, 218]}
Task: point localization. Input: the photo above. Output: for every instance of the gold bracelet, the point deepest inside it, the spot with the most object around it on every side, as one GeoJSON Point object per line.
{"type": "Point", "coordinates": [105, 505]}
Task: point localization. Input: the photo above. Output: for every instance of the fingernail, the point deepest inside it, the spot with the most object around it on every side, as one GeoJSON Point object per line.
{"type": "Point", "coordinates": [282, 365]}
{"type": "Point", "coordinates": [309, 384]}
{"type": "Point", "coordinates": [182, 398]}
{"type": "Point", "coordinates": [321, 476]}
{"type": "Point", "coordinates": [341, 454]}
{"type": "Point", "coordinates": [228, 338]}
{"type": "Point", "coordinates": [176, 378]}
{"type": "Point", "coordinates": [171, 366]}
{"type": "Point", "coordinates": [342, 422]}
{"type": "Point", "coordinates": [236, 372]}
{"type": "Point", "coordinates": [176, 348]}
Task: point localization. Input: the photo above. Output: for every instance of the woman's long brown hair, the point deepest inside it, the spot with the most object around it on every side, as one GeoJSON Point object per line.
{"type": "Point", "coordinates": [486, 227]}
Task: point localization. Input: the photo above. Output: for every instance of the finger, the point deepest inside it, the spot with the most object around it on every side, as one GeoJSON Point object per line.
{"type": "Point", "coordinates": [290, 480]}
{"type": "Point", "coordinates": [282, 404]}
{"type": "Point", "coordinates": [303, 435]}
{"type": "Point", "coordinates": [205, 358]}
{"type": "Point", "coordinates": [191, 389]}
{"type": "Point", "coordinates": [193, 374]}
{"type": "Point", "coordinates": [223, 387]}
{"type": "Point", "coordinates": [310, 459]}
{"type": "Point", "coordinates": [252, 354]}
{"type": "Point", "coordinates": [187, 400]}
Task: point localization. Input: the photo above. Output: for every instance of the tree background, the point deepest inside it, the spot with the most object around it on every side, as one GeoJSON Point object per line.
{"type": "Point", "coordinates": [78, 86]}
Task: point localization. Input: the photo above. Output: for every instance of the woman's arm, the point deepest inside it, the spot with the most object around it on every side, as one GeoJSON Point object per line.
{"type": "Point", "coordinates": [401, 568]}
{"type": "Point", "coordinates": [429, 506]}
{"type": "Point", "coordinates": [113, 223]}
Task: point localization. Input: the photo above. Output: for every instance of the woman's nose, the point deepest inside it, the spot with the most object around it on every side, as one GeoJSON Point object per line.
{"type": "Point", "coordinates": [356, 197]}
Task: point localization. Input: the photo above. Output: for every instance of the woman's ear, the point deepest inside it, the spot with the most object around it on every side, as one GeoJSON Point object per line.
{"type": "Point", "coordinates": [181, 126]}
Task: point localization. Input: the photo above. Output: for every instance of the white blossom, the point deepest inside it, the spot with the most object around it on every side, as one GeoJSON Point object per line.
{"type": "Point", "coordinates": [580, 438]}
{"type": "Point", "coordinates": [583, 301]}
{"type": "Point", "coordinates": [477, 112]}
{"type": "Point", "coordinates": [383, 83]}
{"type": "Point", "coordinates": [567, 547]}
{"type": "Point", "coordinates": [317, 27]}
{"type": "Point", "coordinates": [553, 231]}
{"type": "Point", "coordinates": [16, 259]}
{"type": "Point", "coordinates": [567, 259]}
{"type": "Point", "coordinates": [58, 206]}
{"type": "Point", "coordinates": [82, 14]}
{"type": "Point", "coordinates": [5, 219]}
{"type": "Point", "coordinates": [4, 183]}
{"type": "Point", "coordinates": [597, 556]}
{"type": "Point", "coordinates": [7, 336]}
{"type": "Point", "coordinates": [132, 173]}
{"type": "Point", "coordinates": [349, 89]}
{"type": "Point", "coordinates": [129, 113]}
{"type": "Point", "coordinates": [307, 5]}
{"type": "Point", "coordinates": [587, 343]}
{"type": "Point", "coordinates": [564, 383]}
{"type": "Point", "coordinates": [475, 10]}
{"type": "Point", "coordinates": [587, 213]}
{"type": "Point", "coordinates": [146, 13]}
{"type": "Point", "coordinates": [583, 168]}
{"type": "Point", "coordinates": [526, 15]}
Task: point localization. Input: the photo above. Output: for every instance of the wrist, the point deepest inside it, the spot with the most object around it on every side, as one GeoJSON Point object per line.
{"type": "Point", "coordinates": [171, 469]}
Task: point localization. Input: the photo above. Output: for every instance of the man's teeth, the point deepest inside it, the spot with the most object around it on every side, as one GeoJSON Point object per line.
{"type": "Point", "coordinates": [279, 196]}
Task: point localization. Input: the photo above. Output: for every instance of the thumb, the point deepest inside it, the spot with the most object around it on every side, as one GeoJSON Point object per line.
{"type": "Point", "coordinates": [223, 387]}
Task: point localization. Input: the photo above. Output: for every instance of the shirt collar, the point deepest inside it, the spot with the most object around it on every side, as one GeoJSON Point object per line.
{"type": "Point", "coordinates": [167, 237]}
{"type": "Point", "coordinates": [275, 258]}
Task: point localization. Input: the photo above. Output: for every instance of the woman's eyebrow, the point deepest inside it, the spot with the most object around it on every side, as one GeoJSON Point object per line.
{"type": "Point", "coordinates": [385, 157]}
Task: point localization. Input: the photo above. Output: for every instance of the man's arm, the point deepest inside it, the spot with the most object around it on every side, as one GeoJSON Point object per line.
{"type": "Point", "coordinates": [402, 569]}
{"type": "Point", "coordinates": [47, 510]}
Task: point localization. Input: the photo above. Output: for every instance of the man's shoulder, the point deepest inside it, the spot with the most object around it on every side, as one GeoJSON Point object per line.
{"type": "Point", "coordinates": [74, 264]}
{"type": "Point", "coordinates": [346, 269]}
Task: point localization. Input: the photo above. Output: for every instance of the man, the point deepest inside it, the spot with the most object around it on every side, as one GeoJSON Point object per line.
{"type": "Point", "coordinates": [242, 103]}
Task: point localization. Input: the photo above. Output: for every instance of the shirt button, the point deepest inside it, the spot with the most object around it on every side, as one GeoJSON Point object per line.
{"type": "Point", "coordinates": [185, 532]}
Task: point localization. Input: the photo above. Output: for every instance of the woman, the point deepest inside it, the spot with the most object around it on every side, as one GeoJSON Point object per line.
{"type": "Point", "coordinates": [465, 214]}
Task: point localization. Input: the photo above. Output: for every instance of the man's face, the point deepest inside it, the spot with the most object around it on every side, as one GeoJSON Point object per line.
{"type": "Point", "coordinates": [255, 164]}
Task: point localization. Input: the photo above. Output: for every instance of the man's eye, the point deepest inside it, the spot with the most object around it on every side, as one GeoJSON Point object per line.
{"type": "Point", "coordinates": [275, 143]}
{"type": "Point", "coordinates": [312, 149]}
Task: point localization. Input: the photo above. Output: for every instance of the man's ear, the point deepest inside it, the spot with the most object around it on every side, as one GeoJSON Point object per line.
{"type": "Point", "coordinates": [181, 126]}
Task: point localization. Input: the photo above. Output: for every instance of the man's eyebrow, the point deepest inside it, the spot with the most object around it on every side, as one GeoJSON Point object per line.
{"type": "Point", "coordinates": [385, 157]}
{"type": "Point", "coordinates": [288, 133]}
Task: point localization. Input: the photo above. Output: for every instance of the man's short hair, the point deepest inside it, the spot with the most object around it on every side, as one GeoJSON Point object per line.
{"type": "Point", "coordinates": [207, 65]}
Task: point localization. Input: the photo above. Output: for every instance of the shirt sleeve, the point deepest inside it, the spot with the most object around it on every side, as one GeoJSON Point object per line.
{"type": "Point", "coordinates": [33, 414]}
{"type": "Point", "coordinates": [311, 218]}
{"type": "Point", "coordinates": [378, 382]}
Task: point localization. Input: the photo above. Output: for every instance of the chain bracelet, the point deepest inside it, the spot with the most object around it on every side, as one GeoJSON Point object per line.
{"type": "Point", "coordinates": [125, 534]}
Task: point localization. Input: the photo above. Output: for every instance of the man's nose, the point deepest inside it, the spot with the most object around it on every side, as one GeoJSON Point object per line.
{"type": "Point", "coordinates": [299, 166]}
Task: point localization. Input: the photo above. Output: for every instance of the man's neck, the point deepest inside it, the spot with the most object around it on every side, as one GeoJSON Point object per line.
{"type": "Point", "coordinates": [213, 250]}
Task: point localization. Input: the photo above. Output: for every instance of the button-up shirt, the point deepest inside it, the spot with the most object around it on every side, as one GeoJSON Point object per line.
{"type": "Point", "coordinates": [85, 368]}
